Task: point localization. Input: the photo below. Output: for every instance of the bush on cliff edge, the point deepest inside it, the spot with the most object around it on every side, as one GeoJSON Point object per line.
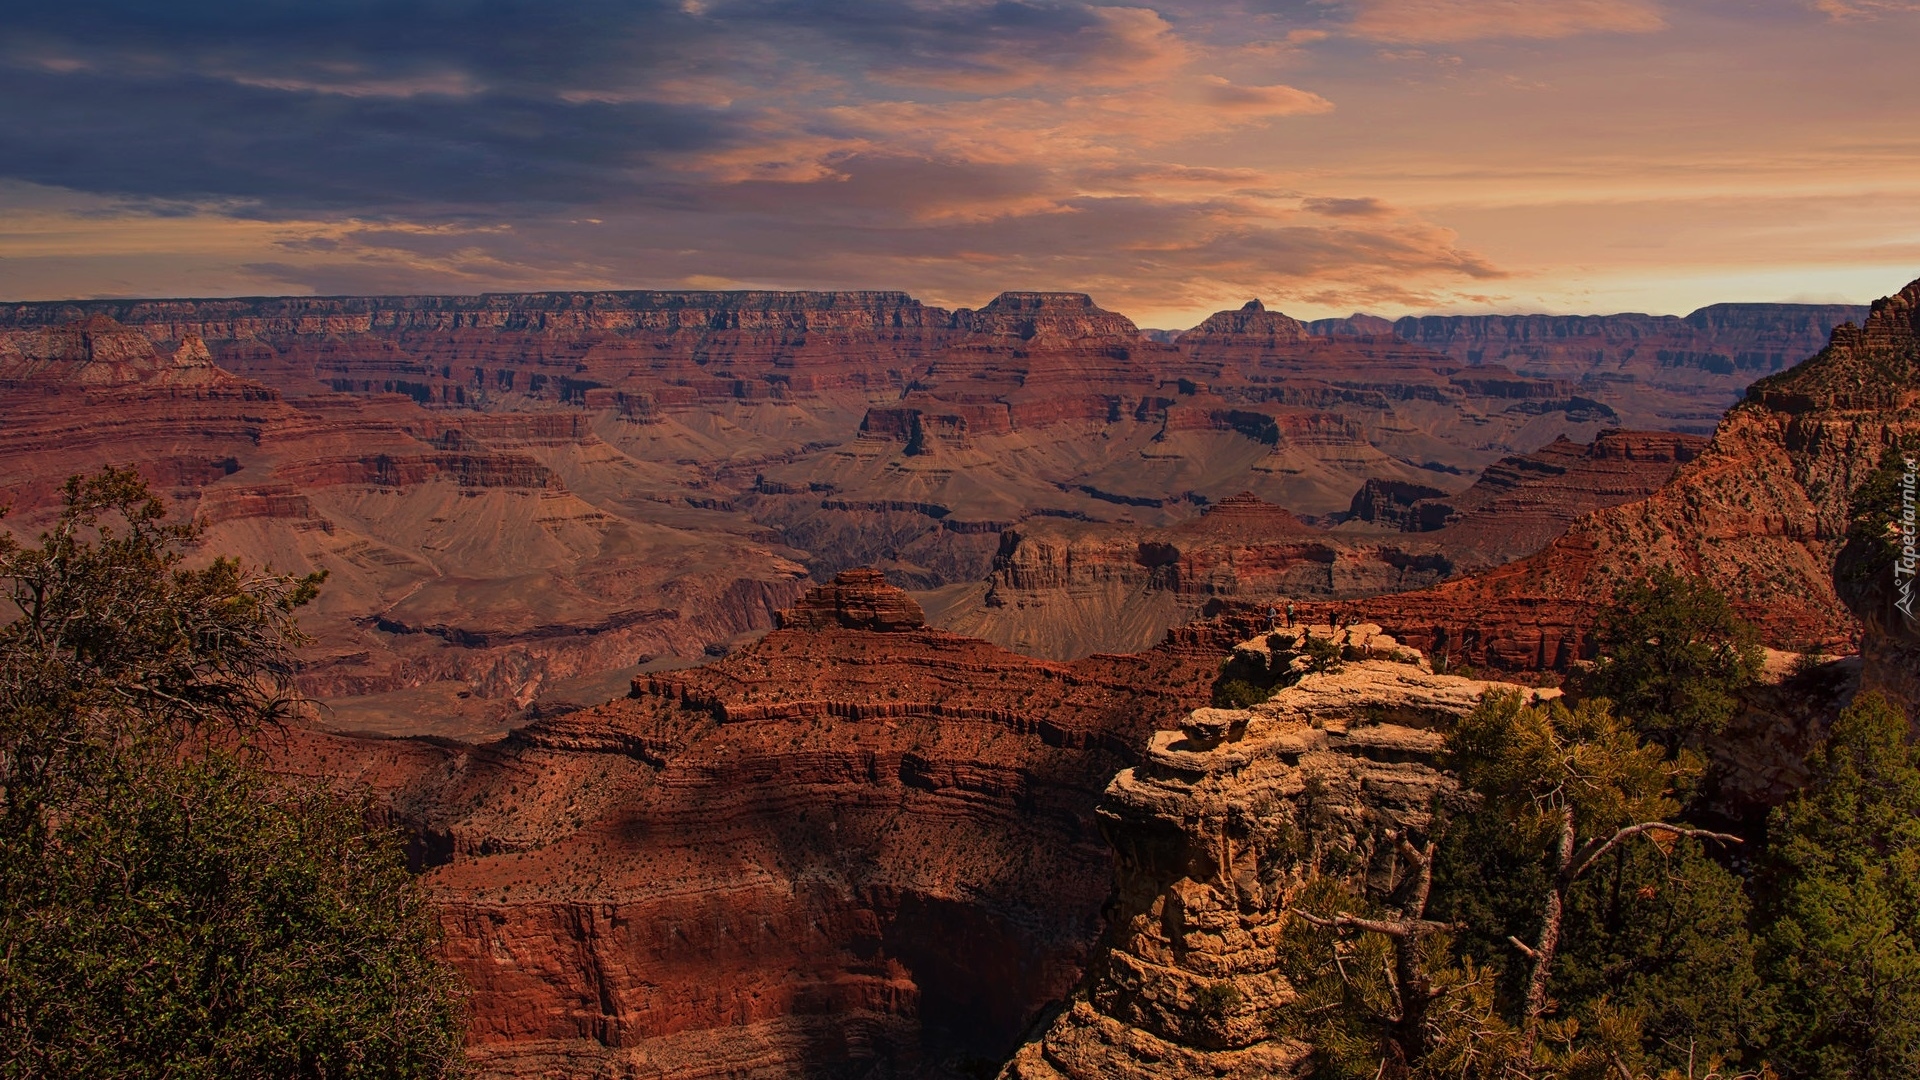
{"type": "Point", "coordinates": [166, 907]}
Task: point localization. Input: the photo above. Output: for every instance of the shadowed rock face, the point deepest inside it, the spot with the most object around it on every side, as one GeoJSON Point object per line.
{"type": "Point", "coordinates": [1886, 368]}
{"type": "Point", "coordinates": [835, 849]}
{"type": "Point", "coordinates": [1213, 835]}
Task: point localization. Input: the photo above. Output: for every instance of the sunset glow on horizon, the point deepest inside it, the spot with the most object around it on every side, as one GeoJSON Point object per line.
{"type": "Point", "coordinates": [1327, 156]}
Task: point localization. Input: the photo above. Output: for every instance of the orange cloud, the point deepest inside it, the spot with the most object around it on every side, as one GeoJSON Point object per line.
{"type": "Point", "coordinates": [1469, 20]}
{"type": "Point", "coordinates": [1273, 100]}
{"type": "Point", "coordinates": [1864, 9]}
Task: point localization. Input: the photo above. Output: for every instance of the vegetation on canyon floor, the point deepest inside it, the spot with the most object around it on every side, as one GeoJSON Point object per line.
{"type": "Point", "coordinates": [1574, 918]}
{"type": "Point", "coordinates": [167, 908]}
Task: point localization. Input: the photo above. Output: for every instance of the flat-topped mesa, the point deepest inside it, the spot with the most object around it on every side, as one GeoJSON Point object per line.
{"type": "Point", "coordinates": [1253, 324]}
{"type": "Point", "coordinates": [1052, 318]}
{"type": "Point", "coordinates": [1732, 342]}
{"type": "Point", "coordinates": [1222, 822]}
{"type": "Point", "coordinates": [1400, 504]}
{"type": "Point", "coordinates": [857, 599]}
{"type": "Point", "coordinates": [551, 311]}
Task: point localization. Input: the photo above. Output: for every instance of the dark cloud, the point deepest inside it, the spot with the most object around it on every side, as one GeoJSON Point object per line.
{"type": "Point", "coordinates": [464, 145]}
{"type": "Point", "coordinates": [479, 105]}
{"type": "Point", "coordinates": [514, 46]}
{"type": "Point", "coordinates": [190, 137]}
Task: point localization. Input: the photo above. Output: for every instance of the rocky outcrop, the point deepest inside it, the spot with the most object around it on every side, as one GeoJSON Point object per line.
{"type": "Point", "coordinates": [1216, 829]}
{"type": "Point", "coordinates": [1397, 504]}
{"type": "Point", "coordinates": [831, 850]}
{"type": "Point", "coordinates": [1875, 576]}
{"type": "Point", "coordinates": [1252, 325]}
{"type": "Point", "coordinates": [858, 599]}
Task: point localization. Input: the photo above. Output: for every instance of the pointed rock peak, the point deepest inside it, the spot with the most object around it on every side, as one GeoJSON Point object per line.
{"type": "Point", "coordinates": [1870, 366]}
{"type": "Point", "coordinates": [858, 599]}
{"type": "Point", "coordinates": [192, 353]}
{"type": "Point", "coordinates": [1251, 320]}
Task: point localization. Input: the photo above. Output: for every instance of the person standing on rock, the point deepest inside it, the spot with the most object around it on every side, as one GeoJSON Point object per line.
{"type": "Point", "coordinates": [1289, 614]}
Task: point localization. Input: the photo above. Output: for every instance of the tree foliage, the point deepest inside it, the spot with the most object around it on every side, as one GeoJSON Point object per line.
{"type": "Point", "coordinates": [1840, 892]}
{"type": "Point", "coordinates": [1674, 656]}
{"type": "Point", "coordinates": [166, 907]}
{"type": "Point", "coordinates": [1568, 925]}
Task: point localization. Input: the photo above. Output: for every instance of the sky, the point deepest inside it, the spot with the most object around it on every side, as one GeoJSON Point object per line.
{"type": "Point", "coordinates": [1326, 156]}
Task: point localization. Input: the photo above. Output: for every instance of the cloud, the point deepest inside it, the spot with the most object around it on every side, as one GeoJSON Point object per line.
{"type": "Point", "coordinates": [1844, 10]}
{"type": "Point", "coordinates": [1275, 100]}
{"type": "Point", "coordinates": [1354, 208]}
{"type": "Point", "coordinates": [1440, 21]}
{"type": "Point", "coordinates": [1165, 156]}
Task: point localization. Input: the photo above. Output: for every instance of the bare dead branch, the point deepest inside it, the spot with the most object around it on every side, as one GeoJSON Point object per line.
{"type": "Point", "coordinates": [1595, 848]}
{"type": "Point", "coordinates": [1394, 928]}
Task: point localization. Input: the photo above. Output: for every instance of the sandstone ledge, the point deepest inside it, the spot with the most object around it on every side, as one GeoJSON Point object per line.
{"type": "Point", "coordinates": [1216, 830]}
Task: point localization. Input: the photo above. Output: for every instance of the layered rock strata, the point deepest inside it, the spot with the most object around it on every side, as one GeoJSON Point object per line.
{"type": "Point", "coordinates": [865, 850]}
{"type": "Point", "coordinates": [1762, 512]}
{"type": "Point", "coordinates": [1063, 589]}
{"type": "Point", "coordinates": [523, 497]}
{"type": "Point", "coordinates": [1660, 371]}
{"type": "Point", "coordinates": [1217, 828]}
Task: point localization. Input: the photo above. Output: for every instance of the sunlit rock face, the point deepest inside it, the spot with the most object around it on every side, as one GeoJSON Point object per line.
{"type": "Point", "coordinates": [1761, 512]}
{"type": "Point", "coordinates": [1215, 830]}
{"type": "Point", "coordinates": [520, 498]}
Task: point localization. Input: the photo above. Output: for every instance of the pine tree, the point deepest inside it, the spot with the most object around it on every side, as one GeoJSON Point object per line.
{"type": "Point", "coordinates": [1840, 890]}
{"type": "Point", "coordinates": [166, 907]}
{"type": "Point", "coordinates": [1674, 657]}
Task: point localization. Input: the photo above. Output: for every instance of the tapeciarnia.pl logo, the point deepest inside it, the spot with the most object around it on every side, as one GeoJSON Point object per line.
{"type": "Point", "coordinates": [1904, 566]}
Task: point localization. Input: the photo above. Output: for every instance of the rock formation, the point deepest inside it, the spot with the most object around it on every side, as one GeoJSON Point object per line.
{"type": "Point", "coordinates": [524, 497]}
{"type": "Point", "coordinates": [1661, 371]}
{"type": "Point", "coordinates": [1762, 512]}
{"type": "Point", "coordinates": [1065, 589]}
{"type": "Point", "coordinates": [834, 848]}
{"type": "Point", "coordinates": [1216, 829]}
{"type": "Point", "coordinates": [858, 599]}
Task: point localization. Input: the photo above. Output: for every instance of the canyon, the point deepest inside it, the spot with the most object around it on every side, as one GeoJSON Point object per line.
{"type": "Point", "coordinates": [1065, 589]}
{"type": "Point", "coordinates": [527, 499]}
{"type": "Point", "coordinates": [1762, 511]}
{"type": "Point", "coordinates": [859, 837]}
